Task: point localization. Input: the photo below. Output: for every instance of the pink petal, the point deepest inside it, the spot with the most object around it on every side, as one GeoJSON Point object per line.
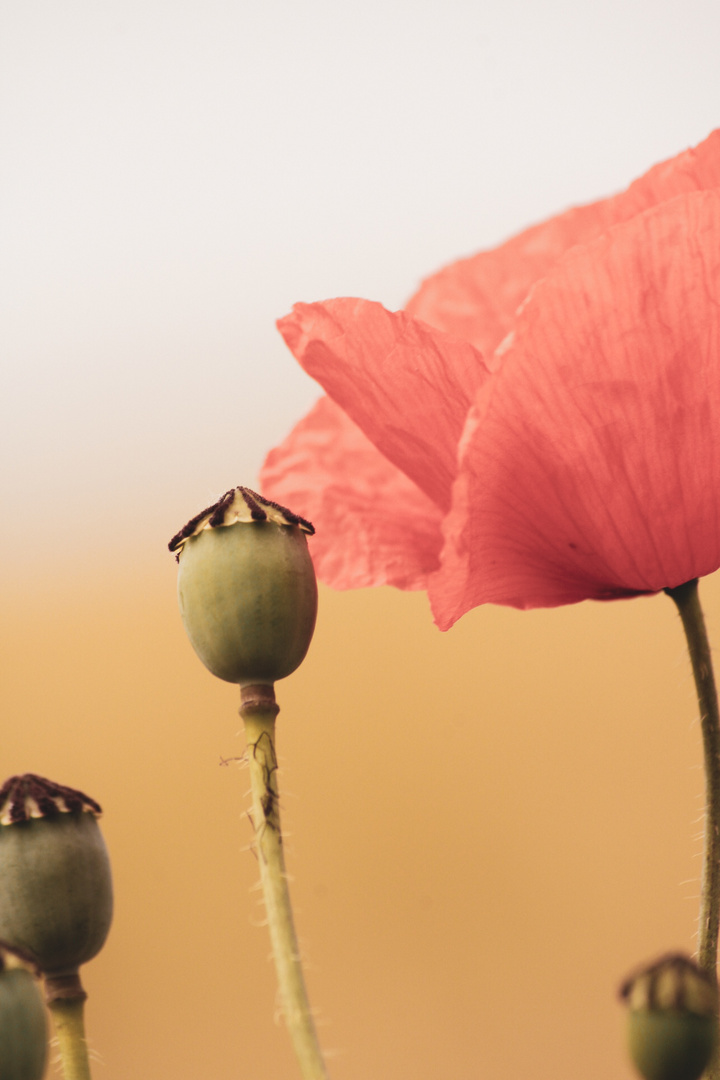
{"type": "Point", "coordinates": [591, 463]}
{"type": "Point", "coordinates": [374, 526]}
{"type": "Point", "coordinates": [477, 298]}
{"type": "Point", "coordinates": [406, 386]}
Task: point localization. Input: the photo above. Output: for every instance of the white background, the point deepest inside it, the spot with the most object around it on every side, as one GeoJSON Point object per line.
{"type": "Point", "coordinates": [175, 175]}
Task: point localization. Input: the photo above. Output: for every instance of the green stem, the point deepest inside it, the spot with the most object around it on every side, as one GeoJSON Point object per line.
{"type": "Point", "coordinates": [258, 710]}
{"type": "Point", "coordinates": [688, 604]}
{"type": "Point", "coordinates": [687, 601]}
{"type": "Point", "coordinates": [66, 1001]}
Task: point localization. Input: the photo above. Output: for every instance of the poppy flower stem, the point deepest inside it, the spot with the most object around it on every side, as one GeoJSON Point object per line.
{"type": "Point", "coordinates": [688, 604]}
{"type": "Point", "coordinates": [65, 999]}
{"type": "Point", "coordinates": [259, 710]}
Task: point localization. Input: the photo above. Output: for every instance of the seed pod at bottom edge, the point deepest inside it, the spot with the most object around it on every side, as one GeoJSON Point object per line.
{"type": "Point", "coordinates": [672, 1018]}
{"type": "Point", "coordinates": [23, 1026]}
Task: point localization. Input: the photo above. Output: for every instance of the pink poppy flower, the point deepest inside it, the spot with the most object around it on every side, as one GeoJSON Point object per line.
{"type": "Point", "coordinates": [540, 426]}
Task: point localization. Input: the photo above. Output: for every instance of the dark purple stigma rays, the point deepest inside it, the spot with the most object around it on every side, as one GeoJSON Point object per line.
{"type": "Point", "coordinates": [189, 529]}
{"type": "Point", "coordinates": [50, 798]}
{"type": "Point", "coordinates": [215, 514]}
{"type": "Point", "coordinates": [256, 511]}
{"type": "Point", "coordinates": [251, 500]}
{"type": "Point", "coordinates": [680, 965]}
{"type": "Point", "coordinates": [218, 515]}
{"type": "Point", "coordinates": [293, 519]}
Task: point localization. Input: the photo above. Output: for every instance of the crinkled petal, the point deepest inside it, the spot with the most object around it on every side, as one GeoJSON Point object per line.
{"type": "Point", "coordinates": [477, 298]}
{"type": "Point", "coordinates": [407, 387]}
{"type": "Point", "coordinates": [373, 525]}
{"type": "Point", "coordinates": [591, 465]}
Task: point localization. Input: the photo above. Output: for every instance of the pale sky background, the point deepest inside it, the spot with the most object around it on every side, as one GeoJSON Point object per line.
{"type": "Point", "coordinates": [175, 175]}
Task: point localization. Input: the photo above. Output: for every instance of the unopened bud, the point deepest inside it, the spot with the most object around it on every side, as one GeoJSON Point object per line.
{"type": "Point", "coordinates": [55, 883]}
{"type": "Point", "coordinates": [672, 1018]}
{"type": "Point", "coordinates": [247, 588]}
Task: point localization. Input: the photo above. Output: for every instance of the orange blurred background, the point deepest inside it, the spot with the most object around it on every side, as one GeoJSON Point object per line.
{"type": "Point", "coordinates": [486, 829]}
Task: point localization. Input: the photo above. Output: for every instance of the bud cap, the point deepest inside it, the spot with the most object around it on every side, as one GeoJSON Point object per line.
{"type": "Point", "coordinates": [31, 796]}
{"type": "Point", "coordinates": [239, 505]}
{"type": "Point", "coordinates": [672, 1018]}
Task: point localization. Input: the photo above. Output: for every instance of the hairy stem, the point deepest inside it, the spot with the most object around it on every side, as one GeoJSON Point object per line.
{"type": "Point", "coordinates": [66, 1001]}
{"type": "Point", "coordinates": [258, 710]}
{"type": "Point", "coordinates": [688, 604]}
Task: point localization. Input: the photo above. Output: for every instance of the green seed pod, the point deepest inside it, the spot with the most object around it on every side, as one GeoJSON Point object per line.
{"type": "Point", "coordinates": [23, 1023]}
{"type": "Point", "coordinates": [55, 883]}
{"type": "Point", "coordinates": [247, 588]}
{"type": "Point", "coordinates": [672, 1018]}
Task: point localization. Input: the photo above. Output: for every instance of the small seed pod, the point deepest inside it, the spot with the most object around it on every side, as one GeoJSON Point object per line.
{"type": "Point", "coordinates": [672, 1018]}
{"type": "Point", "coordinates": [23, 1023]}
{"type": "Point", "coordinates": [55, 883]}
{"type": "Point", "coordinates": [247, 588]}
